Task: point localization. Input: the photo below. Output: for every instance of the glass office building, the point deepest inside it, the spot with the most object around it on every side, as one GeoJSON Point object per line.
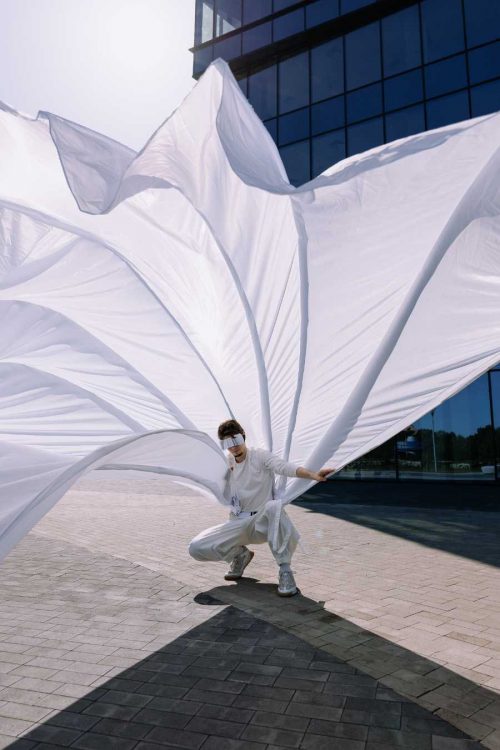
{"type": "Point", "coordinates": [331, 78]}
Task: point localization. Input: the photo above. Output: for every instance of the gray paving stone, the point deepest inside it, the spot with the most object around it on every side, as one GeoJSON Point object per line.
{"type": "Point", "coordinates": [399, 739]}
{"type": "Point", "coordinates": [119, 728]}
{"type": "Point", "coordinates": [227, 713]}
{"type": "Point", "coordinates": [91, 741]}
{"type": "Point", "coordinates": [177, 737]}
{"type": "Point", "coordinates": [338, 729]}
{"type": "Point", "coordinates": [172, 719]}
{"type": "Point", "coordinates": [131, 649]}
{"type": "Point", "coordinates": [217, 727]}
{"type": "Point", "coordinates": [265, 704]}
{"type": "Point", "coordinates": [13, 727]}
{"type": "Point", "coordinates": [223, 743]}
{"type": "Point", "coordinates": [55, 735]}
{"type": "Point", "coordinates": [280, 721]}
{"type": "Point", "coordinates": [313, 711]}
{"type": "Point", "coordinates": [321, 742]}
{"type": "Point", "coordinates": [272, 735]}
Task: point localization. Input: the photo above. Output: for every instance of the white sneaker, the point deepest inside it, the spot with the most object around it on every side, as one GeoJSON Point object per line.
{"type": "Point", "coordinates": [287, 585]}
{"type": "Point", "coordinates": [239, 564]}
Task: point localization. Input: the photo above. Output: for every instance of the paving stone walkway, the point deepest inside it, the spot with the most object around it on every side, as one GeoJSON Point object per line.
{"type": "Point", "coordinates": [110, 637]}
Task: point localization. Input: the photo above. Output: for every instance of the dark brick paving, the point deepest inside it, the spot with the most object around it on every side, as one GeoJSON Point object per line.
{"type": "Point", "coordinates": [97, 653]}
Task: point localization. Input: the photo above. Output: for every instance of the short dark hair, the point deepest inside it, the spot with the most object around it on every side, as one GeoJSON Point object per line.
{"type": "Point", "coordinates": [229, 428]}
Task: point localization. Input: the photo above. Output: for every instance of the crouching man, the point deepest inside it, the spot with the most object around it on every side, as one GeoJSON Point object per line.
{"type": "Point", "coordinates": [255, 517]}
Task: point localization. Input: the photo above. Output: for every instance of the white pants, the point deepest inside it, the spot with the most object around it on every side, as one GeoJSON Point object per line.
{"type": "Point", "coordinates": [224, 541]}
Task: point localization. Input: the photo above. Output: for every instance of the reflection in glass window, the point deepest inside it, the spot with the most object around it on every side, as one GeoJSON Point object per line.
{"type": "Point", "coordinates": [227, 16]}
{"type": "Point", "coordinates": [362, 53]}
{"type": "Point", "coordinates": [294, 127]}
{"type": "Point", "coordinates": [454, 441]}
{"type": "Point", "coordinates": [495, 394]}
{"type": "Point", "coordinates": [365, 135]}
{"type": "Point", "coordinates": [443, 29]}
{"type": "Point", "coordinates": [403, 90]}
{"type": "Point", "coordinates": [327, 149]}
{"type": "Point", "coordinates": [272, 126]}
{"type": "Point", "coordinates": [204, 21]}
{"type": "Point", "coordinates": [327, 70]}
{"type": "Point", "coordinates": [281, 4]}
{"type": "Point", "coordinates": [484, 63]}
{"type": "Point", "coordinates": [364, 103]}
{"type": "Point", "coordinates": [447, 109]}
{"type": "Point", "coordinates": [485, 98]}
{"type": "Point", "coordinates": [444, 76]}
{"type": "Point", "coordinates": [243, 84]}
{"type": "Point", "coordinates": [328, 115]}
{"type": "Point", "coordinates": [321, 11]}
{"type": "Point", "coordinates": [379, 463]}
{"type": "Point", "coordinates": [404, 122]}
{"type": "Point", "coordinates": [349, 5]}
{"type": "Point", "coordinates": [401, 41]}
{"type": "Point", "coordinates": [257, 37]}
{"type": "Point", "coordinates": [289, 24]}
{"type": "Point", "coordinates": [482, 21]}
{"type": "Point", "coordinates": [262, 92]}
{"type": "Point", "coordinates": [296, 161]}
{"type": "Point", "coordinates": [294, 82]}
{"type": "Point", "coordinates": [255, 9]}
{"type": "Point", "coordinates": [228, 48]}
{"type": "Point", "coordinates": [202, 59]}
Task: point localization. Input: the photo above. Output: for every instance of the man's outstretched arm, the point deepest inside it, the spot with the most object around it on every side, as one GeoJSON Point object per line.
{"type": "Point", "coordinates": [319, 476]}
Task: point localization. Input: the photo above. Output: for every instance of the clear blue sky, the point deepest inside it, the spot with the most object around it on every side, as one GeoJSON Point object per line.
{"type": "Point", "coordinates": [117, 66]}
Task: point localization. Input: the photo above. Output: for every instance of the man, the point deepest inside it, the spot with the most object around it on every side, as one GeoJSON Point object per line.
{"type": "Point", "coordinates": [253, 518]}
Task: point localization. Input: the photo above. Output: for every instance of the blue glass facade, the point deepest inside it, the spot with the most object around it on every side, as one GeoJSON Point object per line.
{"type": "Point", "coordinates": [331, 78]}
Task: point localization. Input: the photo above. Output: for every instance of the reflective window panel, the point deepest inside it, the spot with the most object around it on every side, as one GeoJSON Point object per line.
{"type": "Point", "coordinates": [454, 441]}
{"type": "Point", "coordinates": [204, 21]}
{"type": "Point", "coordinates": [404, 122]}
{"type": "Point", "coordinates": [403, 90]}
{"type": "Point", "coordinates": [296, 161]}
{"type": "Point", "coordinates": [272, 126]}
{"type": "Point", "coordinates": [447, 109]}
{"type": "Point", "coordinates": [401, 41]}
{"type": "Point", "coordinates": [257, 37]}
{"type": "Point", "coordinates": [294, 126]}
{"type": "Point", "coordinates": [281, 4]}
{"type": "Point", "coordinates": [495, 395]}
{"type": "Point", "coordinates": [364, 103]}
{"type": "Point", "coordinates": [444, 76]}
{"type": "Point", "coordinates": [255, 9]}
{"type": "Point", "coordinates": [485, 98]}
{"type": "Point", "coordinates": [365, 135]}
{"type": "Point", "coordinates": [380, 463]}
{"type": "Point", "coordinates": [362, 54]}
{"type": "Point", "coordinates": [289, 24]}
{"type": "Point", "coordinates": [262, 92]}
{"type": "Point", "coordinates": [484, 63]}
{"type": "Point", "coordinates": [294, 82]}
{"type": "Point", "coordinates": [328, 115]}
{"type": "Point", "coordinates": [482, 21]}
{"type": "Point", "coordinates": [327, 149]}
{"type": "Point", "coordinates": [202, 59]}
{"type": "Point", "coordinates": [243, 84]}
{"type": "Point", "coordinates": [227, 16]}
{"type": "Point", "coordinates": [443, 29]}
{"type": "Point", "coordinates": [228, 48]}
{"type": "Point", "coordinates": [327, 70]}
{"type": "Point", "coordinates": [347, 6]}
{"type": "Point", "coordinates": [321, 11]}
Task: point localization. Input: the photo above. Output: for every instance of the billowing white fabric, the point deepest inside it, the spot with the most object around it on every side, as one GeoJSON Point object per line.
{"type": "Point", "coordinates": [146, 297]}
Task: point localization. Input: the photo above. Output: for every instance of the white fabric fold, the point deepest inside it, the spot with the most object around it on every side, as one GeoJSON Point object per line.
{"type": "Point", "coordinates": [144, 298]}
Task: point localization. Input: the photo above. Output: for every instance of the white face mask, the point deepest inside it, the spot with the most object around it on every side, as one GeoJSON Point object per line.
{"type": "Point", "coordinates": [231, 442]}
